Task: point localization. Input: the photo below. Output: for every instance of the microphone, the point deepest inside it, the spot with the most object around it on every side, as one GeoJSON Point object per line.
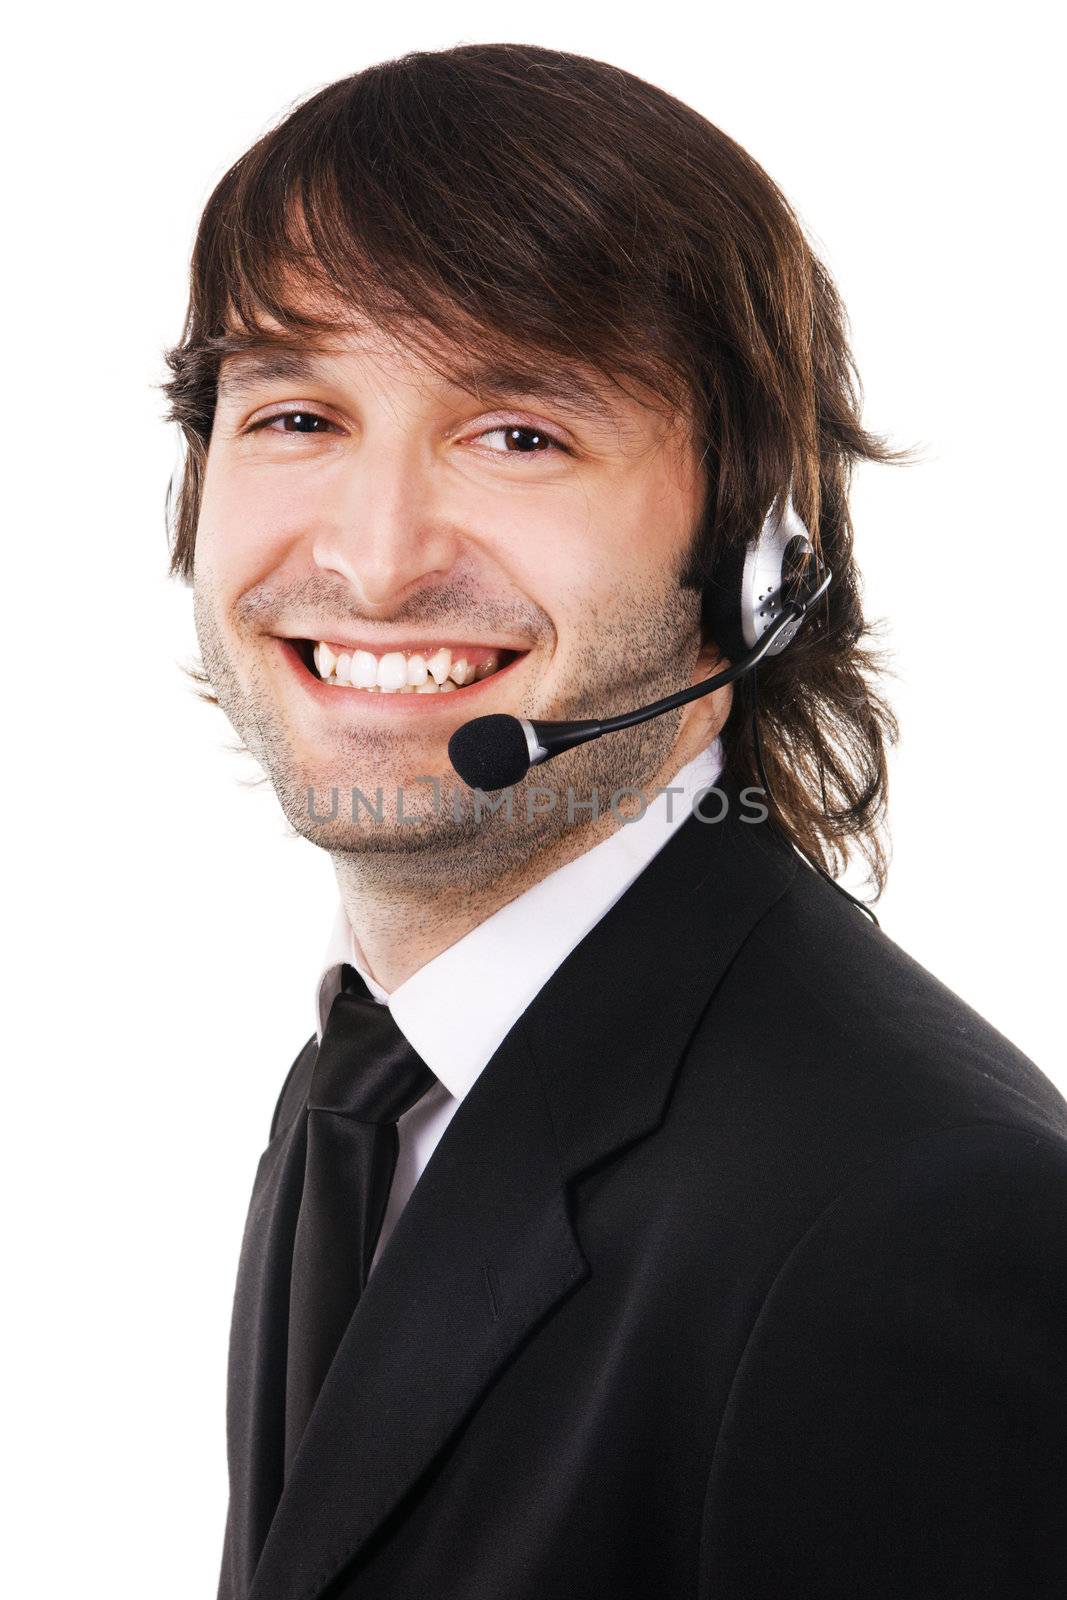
{"type": "Point", "coordinates": [496, 751]}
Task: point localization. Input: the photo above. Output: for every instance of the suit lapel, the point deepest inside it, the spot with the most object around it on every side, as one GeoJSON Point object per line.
{"type": "Point", "coordinates": [255, 1421]}
{"type": "Point", "coordinates": [485, 1249]}
{"type": "Point", "coordinates": [609, 1029]}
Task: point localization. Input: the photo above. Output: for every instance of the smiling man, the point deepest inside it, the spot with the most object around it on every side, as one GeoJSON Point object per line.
{"type": "Point", "coordinates": [639, 1221]}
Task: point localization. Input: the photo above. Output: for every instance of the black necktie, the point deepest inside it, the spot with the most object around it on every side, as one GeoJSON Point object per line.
{"type": "Point", "coordinates": [366, 1075]}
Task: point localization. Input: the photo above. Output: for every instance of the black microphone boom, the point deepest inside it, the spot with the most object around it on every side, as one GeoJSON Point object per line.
{"type": "Point", "coordinates": [494, 752]}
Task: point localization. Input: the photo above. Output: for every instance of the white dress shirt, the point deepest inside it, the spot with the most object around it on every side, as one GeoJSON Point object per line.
{"type": "Point", "coordinates": [458, 1007]}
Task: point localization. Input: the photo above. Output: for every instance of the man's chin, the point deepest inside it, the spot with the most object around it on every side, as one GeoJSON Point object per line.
{"type": "Point", "coordinates": [428, 816]}
{"type": "Point", "coordinates": [370, 815]}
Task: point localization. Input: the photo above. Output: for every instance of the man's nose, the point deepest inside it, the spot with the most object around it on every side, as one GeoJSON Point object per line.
{"type": "Point", "coordinates": [383, 525]}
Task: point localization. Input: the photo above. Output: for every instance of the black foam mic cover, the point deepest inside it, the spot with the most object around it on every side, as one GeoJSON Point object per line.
{"type": "Point", "coordinates": [721, 604]}
{"type": "Point", "coordinates": [490, 752]}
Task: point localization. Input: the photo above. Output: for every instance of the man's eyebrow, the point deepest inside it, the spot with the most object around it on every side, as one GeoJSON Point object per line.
{"type": "Point", "coordinates": [243, 371]}
{"type": "Point", "coordinates": [569, 390]}
{"type": "Point", "coordinates": [492, 380]}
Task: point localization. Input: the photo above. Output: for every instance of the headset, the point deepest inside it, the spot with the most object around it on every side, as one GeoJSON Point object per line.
{"type": "Point", "coordinates": [755, 601]}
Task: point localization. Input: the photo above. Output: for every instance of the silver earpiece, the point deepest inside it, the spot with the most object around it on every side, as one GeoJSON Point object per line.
{"type": "Point", "coordinates": [770, 563]}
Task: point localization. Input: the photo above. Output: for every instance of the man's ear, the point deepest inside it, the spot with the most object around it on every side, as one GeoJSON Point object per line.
{"type": "Point", "coordinates": [710, 657]}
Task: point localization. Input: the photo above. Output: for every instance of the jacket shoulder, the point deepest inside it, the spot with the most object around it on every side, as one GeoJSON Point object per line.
{"type": "Point", "coordinates": [840, 992]}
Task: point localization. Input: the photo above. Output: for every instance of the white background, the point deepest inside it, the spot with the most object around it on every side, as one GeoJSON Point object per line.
{"type": "Point", "coordinates": [164, 930]}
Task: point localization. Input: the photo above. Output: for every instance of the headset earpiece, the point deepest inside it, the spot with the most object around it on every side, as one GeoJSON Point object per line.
{"type": "Point", "coordinates": [747, 588]}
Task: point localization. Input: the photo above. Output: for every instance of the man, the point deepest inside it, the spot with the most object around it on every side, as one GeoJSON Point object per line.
{"type": "Point", "coordinates": [639, 1220]}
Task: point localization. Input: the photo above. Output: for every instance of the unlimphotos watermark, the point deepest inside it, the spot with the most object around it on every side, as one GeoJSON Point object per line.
{"type": "Point", "coordinates": [626, 805]}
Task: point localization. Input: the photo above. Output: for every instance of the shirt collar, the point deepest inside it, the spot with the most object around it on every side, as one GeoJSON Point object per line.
{"type": "Point", "coordinates": [456, 1010]}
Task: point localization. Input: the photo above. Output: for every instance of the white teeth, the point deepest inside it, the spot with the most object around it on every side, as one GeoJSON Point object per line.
{"type": "Point", "coordinates": [439, 664]}
{"type": "Point", "coordinates": [364, 670]}
{"type": "Point", "coordinates": [398, 673]}
{"type": "Point", "coordinates": [392, 672]}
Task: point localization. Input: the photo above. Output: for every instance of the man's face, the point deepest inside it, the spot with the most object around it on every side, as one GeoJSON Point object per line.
{"type": "Point", "coordinates": [365, 518]}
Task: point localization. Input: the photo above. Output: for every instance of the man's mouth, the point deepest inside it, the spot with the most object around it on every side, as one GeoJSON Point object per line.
{"type": "Point", "coordinates": [433, 669]}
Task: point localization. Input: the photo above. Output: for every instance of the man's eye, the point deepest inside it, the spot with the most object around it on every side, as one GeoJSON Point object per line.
{"type": "Point", "coordinates": [523, 440]}
{"type": "Point", "coordinates": [302, 422]}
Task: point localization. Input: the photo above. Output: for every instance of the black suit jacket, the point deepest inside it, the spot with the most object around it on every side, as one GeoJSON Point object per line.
{"type": "Point", "coordinates": [739, 1273]}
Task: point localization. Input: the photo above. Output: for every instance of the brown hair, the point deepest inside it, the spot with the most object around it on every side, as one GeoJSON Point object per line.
{"type": "Point", "coordinates": [512, 200]}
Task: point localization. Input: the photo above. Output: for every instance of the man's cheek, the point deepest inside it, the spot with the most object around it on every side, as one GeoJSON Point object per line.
{"type": "Point", "coordinates": [247, 527]}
